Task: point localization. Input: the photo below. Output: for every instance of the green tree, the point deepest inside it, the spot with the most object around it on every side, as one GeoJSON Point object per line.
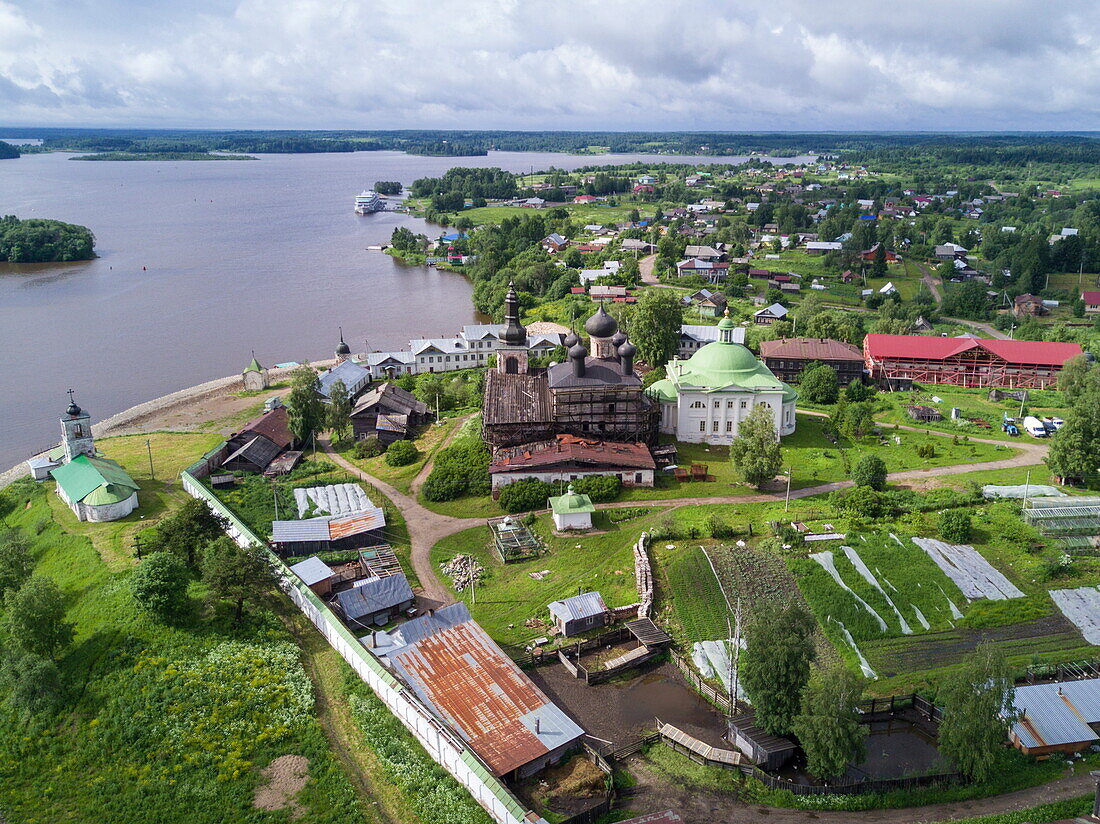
{"type": "Point", "coordinates": [192, 527]}
{"type": "Point", "coordinates": [655, 326]}
{"type": "Point", "coordinates": [776, 663]}
{"type": "Point", "coordinates": [236, 574]}
{"type": "Point", "coordinates": [977, 712]}
{"type": "Point", "coordinates": [819, 384]}
{"type": "Point", "coordinates": [34, 619]}
{"type": "Point", "coordinates": [755, 451]}
{"type": "Point", "coordinates": [954, 525]}
{"type": "Point", "coordinates": [15, 561]}
{"type": "Point", "coordinates": [339, 411]}
{"type": "Point", "coordinates": [400, 453]}
{"type": "Point", "coordinates": [159, 585]}
{"type": "Point", "coordinates": [878, 266]}
{"type": "Point", "coordinates": [857, 419]}
{"type": "Point", "coordinates": [870, 470]}
{"type": "Point", "coordinates": [1073, 379]}
{"type": "Point", "coordinates": [305, 409]}
{"type": "Point", "coordinates": [32, 681]}
{"type": "Point", "coordinates": [863, 501]}
{"type": "Point", "coordinates": [828, 726]}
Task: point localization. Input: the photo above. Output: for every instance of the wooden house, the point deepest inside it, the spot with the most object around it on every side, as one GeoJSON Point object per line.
{"type": "Point", "coordinates": [259, 442]}
{"type": "Point", "coordinates": [389, 413]}
{"type": "Point", "coordinates": [579, 614]}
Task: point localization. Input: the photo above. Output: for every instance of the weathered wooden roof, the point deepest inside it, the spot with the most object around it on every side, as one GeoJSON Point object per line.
{"type": "Point", "coordinates": [516, 399]}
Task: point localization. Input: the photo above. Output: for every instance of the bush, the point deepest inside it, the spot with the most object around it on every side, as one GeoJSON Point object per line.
{"type": "Point", "coordinates": [926, 450]}
{"type": "Point", "coordinates": [600, 488]}
{"type": "Point", "coordinates": [445, 484]}
{"type": "Point", "coordinates": [460, 469]}
{"type": "Point", "coordinates": [525, 495]}
{"type": "Point", "coordinates": [870, 470]}
{"type": "Point", "coordinates": [819, 384]}
{"type": "Point", "coordinates": [369, 447]}
{"type": "Point", "coordinates": [955, 526]}
{"type": "Point", "coordinates": [863, 501]}
{"type": "Point", "coordinates": [401, 453]}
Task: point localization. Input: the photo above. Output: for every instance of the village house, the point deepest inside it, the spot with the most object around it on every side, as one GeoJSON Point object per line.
{"type": "Point", "coordinates": [708, 253]}
{"type": "Point", "coordinates": [769, 314]}
{"type": "Point", "coordinates": [706, 302]}
{"type": "Point", "coordinates": [555, 243]}
{"type": "Point", "coordinates": [1056, 717]}
{"type": "Point", "coordinates": [900, 360]}
{"type": "Point", "coordinates": [568, 457]}
{"type": "Point", "coordinates": [1028, 304]}
{"type": "Point", "coordinates": [713, 271]}
{"type": "Point", "coordinates": [471, 683]}
{"type": "Point", "coordinates": [705, 398]}
{"type": "Point", "coordinates": [356, 378]}
{"type": "Point", "coordinates": [787, 357]}
{"type": "Point", "coordinates": [389, 413]}
{"type": "Point", "coordinates": [1092, 302]}
{"type": "Point", "coordinates": [950, 251]}
{"type": "Point", "coordinates": [259, 442]}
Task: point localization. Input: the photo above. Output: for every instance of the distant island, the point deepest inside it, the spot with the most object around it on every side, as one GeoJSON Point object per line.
{"type": "Point", "coordinates": [44, 241]}
{"type": "Point", "coordinates": [8, 151]}
{"type": "Point", "coordinates": [161, 156]}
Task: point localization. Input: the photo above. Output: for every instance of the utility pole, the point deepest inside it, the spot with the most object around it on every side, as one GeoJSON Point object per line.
{"type": "Point", "coordinates": [1027, 487]}
{"type": "Point", "coordinates": [275, 497]}
{"type": "Point", "coordinates": [149, 450]}
{"type": "Point", "coordinates": [787, 502]}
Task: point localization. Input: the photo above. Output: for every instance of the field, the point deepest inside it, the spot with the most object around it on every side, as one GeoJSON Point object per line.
{"type": "Point", "coordinates": [579, 213]}
{"type": "Point", "coordinates": [161, 723]}
{"type": "Point", "coordinates": [507, 595]}
{"type": "Point", "coordinates": [690, 588]}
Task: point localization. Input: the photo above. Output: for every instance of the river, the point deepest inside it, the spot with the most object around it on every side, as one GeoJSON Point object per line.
{"type": "Point", "coordinates": [201, 262]}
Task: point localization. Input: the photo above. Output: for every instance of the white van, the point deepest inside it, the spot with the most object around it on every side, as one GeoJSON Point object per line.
{"type": "Point", "coordinates": [1034, 427]}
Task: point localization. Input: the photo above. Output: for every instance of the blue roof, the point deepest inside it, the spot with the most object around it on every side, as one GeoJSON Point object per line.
{"type": "Point", "coordinates": [374, 595]}
{"type": "Point", "coordinates": [352, 374]}
{"type": "Point", "coordinates": [1056, 714]}
{"type": "Point", "coordinates": [866, 217]}
{"type": "Point", "coordinates": [455, 236]}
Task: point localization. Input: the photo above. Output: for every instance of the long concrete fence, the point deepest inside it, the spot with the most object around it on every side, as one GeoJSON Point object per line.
{"type": "Point", "coordinates": [442, 743]}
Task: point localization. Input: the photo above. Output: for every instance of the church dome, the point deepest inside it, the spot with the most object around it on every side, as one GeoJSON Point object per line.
{"type": "Point", "coordinates": [601, 324]}
{"type": "Point", "coordinates": [618, 339]}
{"type": "Point", "coordinates": [571, 340]}
{"type": "Point", "coordinates": [343, 348]}
{"type": "Point", "coordinates": [73, 410]}
{"type": "Point", "coordinates": [724, 363]}
{"type": "Point", "coordinates": [514, 333]}
{"type": "Point", "coordinates": [577, 351]}
{"type": "Point", "coordinates": [627, 349]}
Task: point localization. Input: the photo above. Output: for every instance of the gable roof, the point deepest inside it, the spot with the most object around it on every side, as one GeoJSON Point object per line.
{"type": "Point", "coordinates": [1091, 298]}
{"type": "Point", "coordinates": [351, 373]}
{"type": "Point", "coordinates": [821, 349]}
{"type": "Point", "coordinates": [273, 425]}
{"type": "Point", "coordinates": [573, 450]}
{"type": "Point", "coordinates": [373, 595]}
{"type": "Point", "coordinates": [1025, 352]}
{"type": "Point", "coordinates": [84, 475]}
{"type": "Point", "coordinates": [578, 607]}
{"type": "Point", "coordinates": [391, 397]}
{"type": "Point", "coordinates": [1056, 714]}
{"type": "Point", "coordinates": [312, 571]}
{"type": "Point", "coordinates": [775, 310]}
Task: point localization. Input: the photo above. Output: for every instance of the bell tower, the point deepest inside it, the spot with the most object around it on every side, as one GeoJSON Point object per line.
{"type": "Point", "coordinates": [76, 431]}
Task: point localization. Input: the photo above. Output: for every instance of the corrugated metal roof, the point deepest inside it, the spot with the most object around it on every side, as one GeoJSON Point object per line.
{"type": "Point", "coordinates": [810, 349]}
{"type": "Point", "coordinates": [312, 571]}
{"type": "Point", "coordinates": [373, 595]}
{"type": "Point", "coordinates": [351, 373]}
{"type": "Point", "coordinates": [356, 524]}
{"type": "Point", "coordinates": [83, 475]}
{"type": "Point", "coordinates": [1036, 353]}
{"type": "Point", "coordinates": [311, 529]}
{"type": "Point", "coordinates": [580, 606]}
{"type": "Point", "coordinates": [469, 681]}
{"type": "Point", "coordinates": [1056, 714]}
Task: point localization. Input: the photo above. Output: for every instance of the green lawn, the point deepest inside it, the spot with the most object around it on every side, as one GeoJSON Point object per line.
{"type": "Point", "coordinates": [427, 440]}
{"type": "Point", "coordinates": [508, 595]}
{"type": "Point", "coordinates": [579, 213]}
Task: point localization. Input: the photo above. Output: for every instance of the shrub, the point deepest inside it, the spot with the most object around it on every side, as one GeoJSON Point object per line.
{"type": "Point", "coordinates": [955, 526]}
{"type": "Point", "coordinates": [819, 384]}
{"type": "Point", "coordinates": [525, 495]}
{"type": "Point", "coordinates": [460, 469]}
{"type": "Point", "coordinates": [401, 453]}
{"type": "Point", "coordinates": [600, 488]}
{"type": "Point", "coordinates": [369, 447]}
{"type": "Point", "coordinates": [870, 470]}
{"type": "Point", "coordinates": [926, 450]}
{"type": "Point", "coordinates": [445, 484]}
{"type": "Point", "coordinates": [863, 501]}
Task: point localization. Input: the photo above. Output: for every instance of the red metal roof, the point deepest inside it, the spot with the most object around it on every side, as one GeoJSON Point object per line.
{"type": "Point", "coordinates": [922, 347]}
{"type": "Point", "coordinates": [1091, 298]}
{"type": "Point", "coordinates": [273, 425]}
{"type": "Point", "coordinates": [569, 449]}
{"type": "Point", "coordinates": [821, 349]}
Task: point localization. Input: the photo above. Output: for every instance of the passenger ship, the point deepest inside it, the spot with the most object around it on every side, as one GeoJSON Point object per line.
{"type": "Point", "coordinates": [369, 202]}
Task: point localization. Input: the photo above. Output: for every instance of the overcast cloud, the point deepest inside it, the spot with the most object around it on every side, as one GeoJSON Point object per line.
{"type": "Point", "coordinates": [512, 64]}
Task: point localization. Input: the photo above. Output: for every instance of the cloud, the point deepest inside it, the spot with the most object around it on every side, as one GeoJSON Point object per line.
{"type": "Point", "coordinates": [531, 64]}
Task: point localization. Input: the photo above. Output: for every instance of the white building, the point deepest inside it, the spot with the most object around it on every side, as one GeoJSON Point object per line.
{"type": "Point", "coordinates": [705, 398]}
{"type": "Point", "coordinates": [571, 511]}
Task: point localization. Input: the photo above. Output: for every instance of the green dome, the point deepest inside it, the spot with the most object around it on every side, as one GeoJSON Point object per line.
{"type": "Point", "coordinates": [720, 364]}
{"type": "Point", "coordinates": [663, 390]}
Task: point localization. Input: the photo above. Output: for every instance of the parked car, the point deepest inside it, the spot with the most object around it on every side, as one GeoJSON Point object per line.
{"type": "Point", "coordinates": [1034, 427]}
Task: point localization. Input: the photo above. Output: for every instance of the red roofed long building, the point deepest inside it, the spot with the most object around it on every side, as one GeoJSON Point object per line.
{"type": "Point", "coordinates": [903, 359]}
{"type": "Point", "coordinates": [567, 458]}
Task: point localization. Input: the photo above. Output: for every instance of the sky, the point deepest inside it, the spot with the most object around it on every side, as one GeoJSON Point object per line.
{"type": "Point", "coordinates": [728, 65]}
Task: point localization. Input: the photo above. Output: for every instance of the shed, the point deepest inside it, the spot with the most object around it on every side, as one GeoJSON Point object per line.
{"type": "Point", "coordinates": [581, 613]}
{"type": "Point", "coordinates": [1056, 717]}
{"type": "Point", "coordinates": [315, 574]}
{"type": "Point", "coordinates": [375, 600]}
{"type": "Point", "coordinates": [571, 510]}
{"type": "Point", "coordinates": [925, 414]}
{"type": "Point", "coordinates": [770, 752]}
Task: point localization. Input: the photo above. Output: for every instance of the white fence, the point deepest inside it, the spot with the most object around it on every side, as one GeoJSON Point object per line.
{"type": "Point", "coordinates": [443, 744]}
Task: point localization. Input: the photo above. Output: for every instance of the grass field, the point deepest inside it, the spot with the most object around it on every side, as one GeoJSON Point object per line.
{"type": "Point", "coordinates": [579, 213]}
{"type": "Point", "coordinates": [428, 439]}
{"type": "Point", "coordinates": [508, 595]}
{"type": "Point", "coordinates": [161, 723]}
{"type": "Point", "coordinates": [691, 590]}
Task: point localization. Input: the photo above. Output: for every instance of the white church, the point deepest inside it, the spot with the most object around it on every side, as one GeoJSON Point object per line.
{"type": "Point", "coordinates": [704, 399]}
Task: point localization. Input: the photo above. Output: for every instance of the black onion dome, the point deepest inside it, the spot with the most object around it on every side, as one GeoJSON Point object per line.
{"type": "Point", "coordinates": [627, 350]}
{"type": "Point", "coordinates": [618, 339]}
{"type": "Point", "coordinates": [343, 348]}
{"type": "Point", "coordinates": [571, 340]}
{"type": "Point", "coordinates": [73, 410]}
{"type": "Point", "coordinates": [513, 333]}
{"type": "Point", "coordinates": [601, 324]}
{"type": "Point", "coordinates": [577, 351]}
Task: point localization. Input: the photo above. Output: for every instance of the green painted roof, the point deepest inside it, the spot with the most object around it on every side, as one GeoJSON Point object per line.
{"type": "Point", "coordinates": [723, 363]}
{"type": "Point", "coordinates": [254, 366]}
{"type": "Point", "coordinates": [571, 503]}
{"type": "Point", "coordinates": [663, 390]}
{"type": "Point", "coordinates": [57, 453]}
{"type": "Point", "coordinates": [83, 476]}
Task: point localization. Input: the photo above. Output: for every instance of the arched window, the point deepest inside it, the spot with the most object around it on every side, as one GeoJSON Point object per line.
{"type": "Point", "coordinates": [511, 366]}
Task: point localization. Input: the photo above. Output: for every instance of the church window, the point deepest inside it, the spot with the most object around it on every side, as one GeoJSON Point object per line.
{"type": "Point", "coordinates": [697, 405]}
{"type": "Point", "coordinates": [717, 404]}
{"type": "Point", "coordinates": [729, 426]}
{"type": "Point", "coordinates": [744, 404]}
{"type": "Point", "coordinates": [729, 404]}
{"type": "Point", "coordinates": [702, 426]}
{"type": "Point", "coordinates": [78, 431]}
{"type": "Point", "coordinates": [714, 426]}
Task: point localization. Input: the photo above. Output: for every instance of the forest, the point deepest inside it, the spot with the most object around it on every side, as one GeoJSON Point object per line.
{"type": "Point", "coordinates": [42, 241]}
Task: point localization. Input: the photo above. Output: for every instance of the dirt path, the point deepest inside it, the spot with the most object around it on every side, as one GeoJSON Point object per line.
{"type": "Point", "coordinates": [426, 529]}
{"type": "Point", "coordinates": [931, 281]}
{"type": "Point", "coordinates": [645, 267]}
{"type": "Point", "coordinates": [703, 806]}
{"type": "Point", "coordinates": [934, 285]}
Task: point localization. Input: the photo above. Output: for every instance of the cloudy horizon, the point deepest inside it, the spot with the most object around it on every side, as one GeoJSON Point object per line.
{"type": "Point", "coordinates": [794, 65]}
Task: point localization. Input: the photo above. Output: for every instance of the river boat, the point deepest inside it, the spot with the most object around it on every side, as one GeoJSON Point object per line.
{"type": "Point", "coordinates": [369, 202]}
